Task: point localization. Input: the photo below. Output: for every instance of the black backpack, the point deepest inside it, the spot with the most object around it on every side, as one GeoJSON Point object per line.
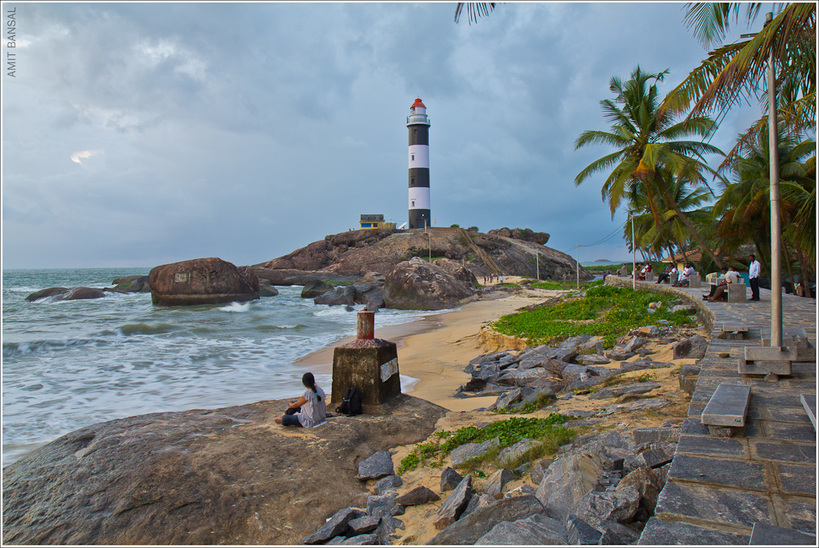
{"type": "Point", "coordinates": [351, 405]}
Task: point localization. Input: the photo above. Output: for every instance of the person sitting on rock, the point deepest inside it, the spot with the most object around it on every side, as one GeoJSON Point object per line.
{"type": "Point", "coordinates": [310, 409]}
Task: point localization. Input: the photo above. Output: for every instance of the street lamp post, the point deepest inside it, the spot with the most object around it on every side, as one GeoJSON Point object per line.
{"type": "Point", "coordinates": [776, 228]}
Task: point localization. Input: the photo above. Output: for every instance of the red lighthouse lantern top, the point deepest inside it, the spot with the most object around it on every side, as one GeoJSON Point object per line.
{"type": "Point", "coordinates": [418, 103]}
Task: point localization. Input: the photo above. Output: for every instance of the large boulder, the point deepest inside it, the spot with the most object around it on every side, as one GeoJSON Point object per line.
{"type": "Point", "coordinates": [418, 285]}
{"type": "Point", "coordinates": [207, 477]}
{"type": "Point", "coordinates": [202, 281]}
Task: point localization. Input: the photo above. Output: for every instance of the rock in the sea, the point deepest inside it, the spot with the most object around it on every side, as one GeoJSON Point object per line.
{"type": "Point", "coordinates": [45, 293]}
{"type": "Point", "coordinates": [267, 290]}
{"type": "Point", "coordinates": [132, 284]}
{"type": "Point", "coordinates": [202, 281]}
{"type": "Point", "coordinates": [207, 477]}
{"type": "Point", "coordinates": [314, 288]}
{"type": "Point", "coordinates": [64, 294]}
{"type": "Point", "coordinates": [417, 285]}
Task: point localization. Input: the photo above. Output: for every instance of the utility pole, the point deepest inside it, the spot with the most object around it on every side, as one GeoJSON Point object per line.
{"type": "Point", "coordinates": [537, 264]}
{"type": "Point", "coordinates": [577, 263]}
{"type": "Point", "coordinates": [633, 262]}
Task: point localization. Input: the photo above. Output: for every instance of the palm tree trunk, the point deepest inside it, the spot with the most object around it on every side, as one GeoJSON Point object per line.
{"type": "Point", "coordinates": [788, 266]}
{"type": "Point", "coordinates": [803, 265]}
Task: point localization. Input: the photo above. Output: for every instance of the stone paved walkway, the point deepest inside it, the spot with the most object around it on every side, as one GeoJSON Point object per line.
{"type": "Point", "coordinates": [718, 488]}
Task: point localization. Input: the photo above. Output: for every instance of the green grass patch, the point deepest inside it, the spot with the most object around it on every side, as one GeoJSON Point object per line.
{"type": "Point", "coordinates": [549, 430]}
{"type": "Point", "coordinates": [604, 311]}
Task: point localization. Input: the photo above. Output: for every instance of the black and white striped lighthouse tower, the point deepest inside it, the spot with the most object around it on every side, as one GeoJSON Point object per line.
{"type": "Point", "coordinates": [418, 125]}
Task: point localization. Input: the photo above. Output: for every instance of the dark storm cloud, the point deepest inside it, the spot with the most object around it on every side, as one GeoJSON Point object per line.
{"type": "Point", "coordinates": [137, 134]}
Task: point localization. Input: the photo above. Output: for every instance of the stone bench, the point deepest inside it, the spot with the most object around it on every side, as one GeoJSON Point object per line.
{"type": "Point", "coordinates": [650, 277]}
{"type": "Point", "coordinates": [736, 293]}
{"type": "Point", "coordinates": [809, 403]}
{"type": "Point", "coordinates": [694, 280]}
{"type": "Point", "coordinates": [725, 412]}
{"type": "Point", "coordinates": [733, 332]}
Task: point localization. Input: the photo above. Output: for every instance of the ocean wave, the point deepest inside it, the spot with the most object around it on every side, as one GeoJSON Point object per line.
{"type": "Point", "coordinates": [273, 327]}
{"type": "Point", "coordinates": [146, 329]}
{"type": "Point", "coordinates": [13, 349]}
{"type": "Point", "coordinates": [236, 307]}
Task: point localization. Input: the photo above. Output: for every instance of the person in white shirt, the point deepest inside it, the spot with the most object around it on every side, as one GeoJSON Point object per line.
{"type": "Point", "coordinates": [687, 271]}
{"type": "Point", "coordinates": [753, 277]}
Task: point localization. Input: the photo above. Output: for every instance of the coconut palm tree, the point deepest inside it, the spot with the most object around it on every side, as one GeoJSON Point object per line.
{"type": "Point", "coordinates": [744, 206]}
{"type": "Point", "coordinates": [648, 142]}
{"type": "Point", "coordinates": [735, 72]}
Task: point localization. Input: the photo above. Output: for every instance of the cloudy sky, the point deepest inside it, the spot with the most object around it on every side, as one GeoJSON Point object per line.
{"type": "Point", "coordinates": [142, 134]}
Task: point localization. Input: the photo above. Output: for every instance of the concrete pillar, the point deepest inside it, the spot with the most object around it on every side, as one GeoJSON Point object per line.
{"type": "Point", "coordinates": [370, 364]}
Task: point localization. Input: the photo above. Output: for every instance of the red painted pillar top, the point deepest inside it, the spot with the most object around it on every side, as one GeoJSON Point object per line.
{"type": "Point", "coordinates": [366, 324]}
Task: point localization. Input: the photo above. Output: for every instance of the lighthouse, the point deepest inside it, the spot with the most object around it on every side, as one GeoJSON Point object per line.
{"type": "Point", "coordinates": [418, 126]}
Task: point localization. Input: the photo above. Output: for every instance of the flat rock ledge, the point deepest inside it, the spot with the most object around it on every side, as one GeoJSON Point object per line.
{"type": "Point", "coordinates": [218, 476]}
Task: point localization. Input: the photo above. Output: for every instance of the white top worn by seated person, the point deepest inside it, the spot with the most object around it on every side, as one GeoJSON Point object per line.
{"type": "Point", "coordinates": [313, 411]}
{"type": "Point", "coordinates": [733, 277]}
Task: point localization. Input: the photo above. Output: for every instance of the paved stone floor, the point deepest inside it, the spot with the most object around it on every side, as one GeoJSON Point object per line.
{"type": "Point", "coordinates": [718, 488]}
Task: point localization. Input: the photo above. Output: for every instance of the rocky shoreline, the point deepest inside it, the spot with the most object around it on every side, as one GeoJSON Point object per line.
{"type": "Point", "coordinates": [600, 489]}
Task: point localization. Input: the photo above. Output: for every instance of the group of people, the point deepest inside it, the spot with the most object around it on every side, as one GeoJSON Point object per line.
{"type": "Point", "coordinates": [719, 291]}
{"type": "Point", "coordinates": [642, 271]}
{"type": "Point", "coordinates": [687, 272]}
{"type": "Point", "coordinates": [492, 278]}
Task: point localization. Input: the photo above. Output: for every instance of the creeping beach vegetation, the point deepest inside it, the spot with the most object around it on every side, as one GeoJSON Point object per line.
{"type": "Point", "coordinates": [549, 431]}
{"type": "Point", "coordinates": [605, 311]}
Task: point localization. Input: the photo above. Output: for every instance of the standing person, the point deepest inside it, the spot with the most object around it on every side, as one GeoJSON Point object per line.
{"type": "Point", "coordinates": [753, 277]}
{"type": "Point", "coordinates": [310, 409]}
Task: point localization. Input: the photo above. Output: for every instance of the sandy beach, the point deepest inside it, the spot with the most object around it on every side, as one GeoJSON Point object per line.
{"type": "Point", "coordinates": [436, 348]}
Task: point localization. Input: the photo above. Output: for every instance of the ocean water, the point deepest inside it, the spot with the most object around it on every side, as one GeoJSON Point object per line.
{"type": "Point", "coordinates": [73, 363]}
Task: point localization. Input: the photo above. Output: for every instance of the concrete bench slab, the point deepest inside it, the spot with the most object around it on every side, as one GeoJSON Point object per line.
{"type": "Point", "coordinates": [764, 534]}
{"type": "Point", "coordinates": [694, 280]}
{"type": "Point", "coordinates": [728, 406]}
{"type": "Point", "coordinates": [809, 403]}
{"type": "Point", "coordinates": [762, 360]}
{"type": "Point", "coordinates": [733, 332]}
{"type": "Point", "coordinates": [736, 293]}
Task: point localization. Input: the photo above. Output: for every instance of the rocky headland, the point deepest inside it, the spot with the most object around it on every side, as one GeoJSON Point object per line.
{"type": "Point", "coordinates": [391, 267]}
